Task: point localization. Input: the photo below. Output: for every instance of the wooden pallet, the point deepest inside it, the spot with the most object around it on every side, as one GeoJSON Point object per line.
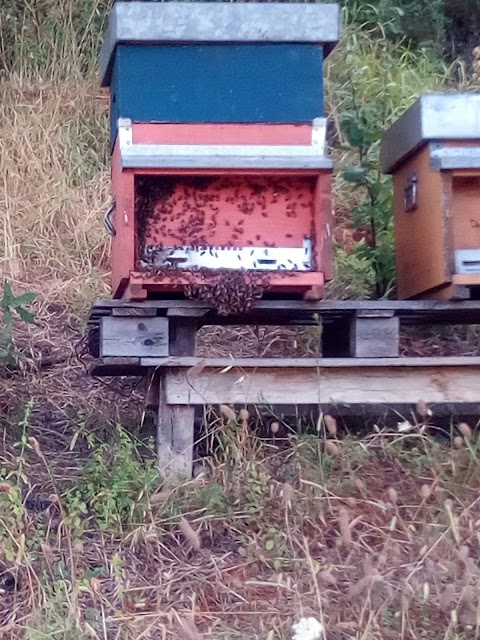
{"type": "Point", "coordinates": [360, 362]}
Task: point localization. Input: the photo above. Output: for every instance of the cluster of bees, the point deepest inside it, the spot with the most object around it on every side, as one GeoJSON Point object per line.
{"type": "Point", "coordinates": [173, 212]}
{"type": "Point", "coordinates": [229, 291]}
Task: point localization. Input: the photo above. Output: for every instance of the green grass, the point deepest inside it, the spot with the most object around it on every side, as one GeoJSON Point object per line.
{"type": "Point", "coordinates": [276, 530]}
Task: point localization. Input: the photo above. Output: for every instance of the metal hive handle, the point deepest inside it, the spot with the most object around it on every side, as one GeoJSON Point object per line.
{"type": "Point", "coordinates": [107, 219]}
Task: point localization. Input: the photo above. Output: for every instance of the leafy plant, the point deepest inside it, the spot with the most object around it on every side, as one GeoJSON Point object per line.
{"type": "Point", "coordinates": [354, 277]}
{"type": "Point", "coordinates": [115, 486]}
{"type": "Point", "coordinates": [413, 22]}
{"type": "Point", "coordinates": [370, 83]}
{"type": "Point", "coordinates": [11, 305]}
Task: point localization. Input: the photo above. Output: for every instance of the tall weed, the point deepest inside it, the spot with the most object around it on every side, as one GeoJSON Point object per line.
{"type": "Point", "coordinates": [370, 82]}
{"type": "Point", "coordinates": [45, 40]}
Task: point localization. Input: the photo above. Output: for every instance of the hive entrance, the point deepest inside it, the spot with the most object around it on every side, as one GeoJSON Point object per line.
{"type": "Point", "coordinates": [226, 211]}
{"type": "Point", "coordinates": [222, 236]}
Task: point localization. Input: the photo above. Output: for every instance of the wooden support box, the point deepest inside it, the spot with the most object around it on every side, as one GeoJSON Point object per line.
{"type": "Point", "coordinates": [360, 361]}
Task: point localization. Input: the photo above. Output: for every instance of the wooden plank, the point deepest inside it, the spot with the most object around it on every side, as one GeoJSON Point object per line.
{"type": "Point", "coordinates": [348, 385]}
{"type": "Point", "coordinates": [342, 306]}
{"type": "Point", "coordinates": [175, 429]}
{"type": "Point", "coordinates": [129, 312]}
{"type": "Point", "coordinates": [309, 363]}
{"type": "Point", "coordinates": [187, 312]}
{"type": "Point", "coordinates": [174, 435]}
{"type": "Point", "coordinates": [134, 337]}
{"type": "Point", "coordinates": [122, 361]}
{"type": "Point", "coordinates": [123, 243]}
{"type": "Point", "coordinates": [375, 337]}
{"type": "Point", "coordinates": [421, 235]}
{"type": "Point", "coordinates": [375, 313]}
{"type": "Point", "coordinates": [467, 279]}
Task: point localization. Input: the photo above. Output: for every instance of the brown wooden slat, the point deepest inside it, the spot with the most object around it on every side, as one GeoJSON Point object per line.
{"type": "Point", "coordinates": [308, 363]}
{"type": "Point", "coordinates": [134, 337]}
{"type": "Point", "coordinates": [127, 312]}
{"type": "Point", "coordinates": [333, 385]}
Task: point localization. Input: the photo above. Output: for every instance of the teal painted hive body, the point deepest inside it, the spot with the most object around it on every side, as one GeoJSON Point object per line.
{"type": "Point", "coordinates": [217, 62]}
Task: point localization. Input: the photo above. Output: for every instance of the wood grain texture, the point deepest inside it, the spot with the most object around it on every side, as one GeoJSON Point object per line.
{"type": "Point", "coordinates": [465, 211]}
{"type": "Point", "coordinates": [288, 312]}
{"type": "Point", "coordinates": [123, 243]}
{"type": "Point", "coordinates": [421, 236]}
{"type": "Point", "coordinates": [375, 337]}
{"type": "Point", "coordinates": [175, 433]}
{"type": "Point", "coordinates": [221, 133]}
{"type": "Point", "coordinates": [174, 436]}
{"type": "Point", "coordinates": [135, 337]}
{"type": "Point", "coordinates": [136, 312]}
{"type": "Point", "coordinates": [348, 385]}
{"type": "Point", "coordinates": [183, 362]}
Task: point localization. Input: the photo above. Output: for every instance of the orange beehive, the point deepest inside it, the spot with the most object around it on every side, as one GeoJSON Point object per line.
{"type": "Point", "coordinates": [433, 153]}
{"type": "Point", "coordinates": [225, 209]}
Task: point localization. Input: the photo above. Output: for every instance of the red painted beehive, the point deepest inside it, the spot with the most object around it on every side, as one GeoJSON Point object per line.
{"type": "Point", "coordinates": [231, 209]}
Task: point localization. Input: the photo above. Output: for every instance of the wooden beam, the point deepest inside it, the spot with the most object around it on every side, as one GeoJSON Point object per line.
{"type": "Point", "coordinates": [327, 385]}
{"type": "Point", "coordinates": [175, 429]}
{"type": "Point", "coordinates": [302, 312]}
{"type": "Point", "coordinates": [308, 363]}
{"type": "Point", "coordinates": [401, 306]}
{"type": "Point", "coordinates": [124, 336]}
{"type": "Point", "coordinates": [373, 336]}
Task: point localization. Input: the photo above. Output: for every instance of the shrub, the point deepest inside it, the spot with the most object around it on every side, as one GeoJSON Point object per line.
{"type": "Point", "coordinates": [11, 305]}
{"type": "Point", "coordinates": [370, 82]}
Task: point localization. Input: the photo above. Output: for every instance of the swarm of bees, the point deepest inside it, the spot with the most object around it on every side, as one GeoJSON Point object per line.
{"type": "Point", "coordinates": [230, 292]}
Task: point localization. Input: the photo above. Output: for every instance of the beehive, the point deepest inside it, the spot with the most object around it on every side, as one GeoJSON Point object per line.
{"type": "Point", "coordinates": [433, 152]}
{"type": "Point", "coordinates": [219, 171]}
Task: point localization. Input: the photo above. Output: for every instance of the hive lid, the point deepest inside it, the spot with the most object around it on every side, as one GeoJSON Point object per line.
{"type": "Point", "coordinates": [432, 118]}
{"type": "Point", "coordinates": [215, 22]}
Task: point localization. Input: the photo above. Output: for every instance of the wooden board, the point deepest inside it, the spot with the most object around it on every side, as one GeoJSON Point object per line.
{"type": "Point", "coordinates": [123, 243]}
{"type": "Point", "coordinates": [325, 385]}
{"type": "Point", "coordinates": [175, 432]}
{"type": "Point", "coordinates": [221, 133]}
{"type": "Point", "coordinates": [134, 336]}
{"type": "Point", "coordinates": [307, 363]}
{"type": "Point", "coordinates": [226, 211]}
{"type": "Point", "coordinates": [401, 307]}
{"type": "Point", "coordinates": [375, 337]}
{"type": "Point", "coordinates": [421, 236]}
{"type": "Point", "coordinates": [466, 212]}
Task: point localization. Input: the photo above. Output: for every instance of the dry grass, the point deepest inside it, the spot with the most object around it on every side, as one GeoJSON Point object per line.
{"type": "Point", "coordinates": [53, 190]}
{"type": "Point", "coordinates": [280, 527]}
{"type": "Point", "coordinates": [379, 540]}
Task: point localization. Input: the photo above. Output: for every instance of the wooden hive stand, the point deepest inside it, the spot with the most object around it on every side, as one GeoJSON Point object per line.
{"type": "Point", "coordinates": [360, 361]}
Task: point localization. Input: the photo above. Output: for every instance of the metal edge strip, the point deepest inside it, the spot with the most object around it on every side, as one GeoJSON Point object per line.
{"type": "Point", "coordinates": [152, 161]}
{"type": "Point", "coordinates": [434, 117]}
{"type": "Point", "coordinates": [448, 158]}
